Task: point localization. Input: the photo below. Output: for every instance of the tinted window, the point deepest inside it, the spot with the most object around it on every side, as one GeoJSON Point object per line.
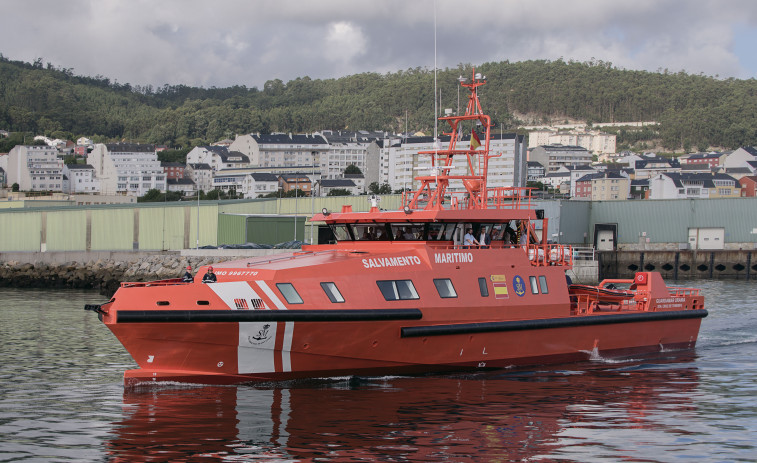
{"type": "Point", "coordinates": [444, 287]}
{"type": "Point", "coordinates": [483, 287]}
{"type": "Point", "coordinates": [534, 285]}
{"type": "Point", "coordinates": [407, 231]}
{"type": "Point", "coordinates": [332, 292]}
{"type": "Point", "coordinates": [543, 283]}
{"type": "Point", "coordinates": [340, 232]}
{"type": "Point", "coordinates": [289, 293]}
{"type": "Point", "coordinates": [394, 290]}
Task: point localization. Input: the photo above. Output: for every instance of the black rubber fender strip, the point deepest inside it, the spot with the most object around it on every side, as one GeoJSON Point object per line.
{"type": "Point", "coordinates": [568, 322]}
{"type": "Point", "coordinates": [231, 316]}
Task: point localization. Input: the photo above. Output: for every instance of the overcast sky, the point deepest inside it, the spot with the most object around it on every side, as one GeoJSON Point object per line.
{"type": "Point", "coordinates": [247, 42]}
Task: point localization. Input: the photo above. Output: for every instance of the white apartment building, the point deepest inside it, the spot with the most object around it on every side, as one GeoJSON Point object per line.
{"type": "Point", "coordinates": [348, 147]}
{"type": "Point", "coordinates": [249, 182]}
{"type": "Point", "coordinates": [552, 157]}
{"type": "Point", "coordinates": [674, 185]}
{"type": "Point", "coordinates": [218, 157]}
{"type": "Point", "coordinates": [35, 168]}
{"type": "Point", "coordinates": [80, 178]}
{"type": "Point", "coordinates": [127, 168]}
{"type": "Point", "coordinates": [401, 163]}
{"type": "Point", "coordinates": [258, 184]}
{"type": "Point", "coordinates": [280, 150]}
{"type": "Point", "coordinates": [201, 174]}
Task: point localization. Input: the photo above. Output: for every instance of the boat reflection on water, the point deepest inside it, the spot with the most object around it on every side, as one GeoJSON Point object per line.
{"type": "Point", "coordinates": [497, 415]}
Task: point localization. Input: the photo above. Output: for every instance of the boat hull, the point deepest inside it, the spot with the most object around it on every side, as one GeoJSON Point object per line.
{"type": "Point", "coordinates": [241, 352]}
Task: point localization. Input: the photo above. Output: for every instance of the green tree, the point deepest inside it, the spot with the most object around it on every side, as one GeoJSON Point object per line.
{"type": "Point", "coordinates": [383, 189]}
{"type": "Point", "coordinates": [339, 192]}
{"type": "Point", "coordinates": [352, 169]}
{"type": "Point", "coordinates": [14, 187]}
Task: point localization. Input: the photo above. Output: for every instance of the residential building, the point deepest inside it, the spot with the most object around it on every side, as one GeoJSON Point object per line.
{"type": "Point", "coordinates": [230, 181]}
{"type": "Point", "coordinates": [173, 170]}
{"type": "Point", "coordinates": [748, 186]}
{"type": "Point", "coordinates": [401, 163]}
{"type": "Point", "coordinates": [741, 157]}
{"type": "Point", "coordinates": [739, 172]}
{"type": "Point", "coordinates": [185, 185]}
{"type": "Point", "coordinates": [127, 168]}
{"type": "Point", "coordinates": [289, 182]}
{"type": "Point", "coordinates": [358, 180]}
{"type": "Point", "coordinates": [257, 184]}
{"type": "Point", "coordinates": [218, 157]}
{"type": "Point", "coordinates": [536, 171]}
{"type": "Point", "coordinates": [712, 160]}
{"type": "Point", "coordinates": [583, 186]}
{"type": "Point", "coordinates": [201, 174]}
{"type": "Point", "coordinates": [348, 147]}
{"type": "Point", "coordinates": [651, 166]}
{"type": "Point", "coordinates": [80, 179]}
{"type": "Point", "coordinates": [610, 186]}
{"type": "Point", "coordinates": [325, 186]}
{"type": "Point", "coordinates": [673, 185]}
{"type": "Point", "coordinates": [702, 168]}
{"type": "Point", "coordinates": [278, 149]}
{"type": "Point", "coordinates": [552, 157]}
{"type": "Point", "coordinates": [35, 168]}
{"type": "Point", "coordinates": [639, 188]}
{"type": "Point", "coordinates": [576, 172]}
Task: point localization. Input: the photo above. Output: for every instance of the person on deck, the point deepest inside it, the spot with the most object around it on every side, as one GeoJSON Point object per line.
{"type": "Point", "coordinates": [188, 278]}
{"type": "Point", "coordinates": [209, 277]}
{"type": "Point", "coordinates": [485, 238]}
{"type": "Point", "coordinates": [469, 240]}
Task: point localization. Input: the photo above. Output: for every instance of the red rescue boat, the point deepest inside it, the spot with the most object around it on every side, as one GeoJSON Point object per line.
{"type": "Point", "coordinates": [400, 292]}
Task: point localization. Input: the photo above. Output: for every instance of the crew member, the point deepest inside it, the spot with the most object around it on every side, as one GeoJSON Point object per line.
{"type": "Point", "coordinates": [469, 240]}
{"type": "Point", "coordinates": [209, 277]}
{"type": "Point", "coordinates": [188, 278]}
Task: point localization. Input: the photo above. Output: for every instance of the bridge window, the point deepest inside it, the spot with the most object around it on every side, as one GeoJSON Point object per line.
{"type": "Point", "coordinates": [332, 292]}
{"type": "Point", "coordinates": [341, 233]}
{"type": "Point", "coordinates": [407, 231]}
{"type": "Point", "coordinates": [290, 294]}
{"type": "Point", "coordinates": [444, 287]}
{"type": "Point", "coordinates": [483, 287]}
{"type": "Point", "coordinates": [543, 283]}
{"type": "Point", "coordinates": [397, 290]}
{"type": "Point", "coordinates": [534, 285]}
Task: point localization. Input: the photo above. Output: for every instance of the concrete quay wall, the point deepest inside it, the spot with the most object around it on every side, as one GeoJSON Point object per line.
{"type": "Point", "coordinates": [680, 264]}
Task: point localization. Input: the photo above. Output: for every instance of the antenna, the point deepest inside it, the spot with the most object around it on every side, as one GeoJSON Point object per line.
{"type": "Point", "coordinates": [435, 110]}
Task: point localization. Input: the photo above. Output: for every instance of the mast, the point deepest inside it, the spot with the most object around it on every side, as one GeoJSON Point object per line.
{"type": "Point", "coordinates": [433, 187]}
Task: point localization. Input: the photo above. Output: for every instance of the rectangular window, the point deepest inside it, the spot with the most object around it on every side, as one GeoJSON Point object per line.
{"type": "Point", "coordinates": [543, 283]}
{"type": "Point", "coordinates": [332, 292]}
{"type": "Point", "coordinates": [534, 285]}
{"type": "Point", "coordinates": [290, 294]}
{"type": "Point", "coordinates": [444, 287]}
{"type": "Point", "coordinates": [483, 287]}
{"type": "Point", "coordinates": [396, 290]}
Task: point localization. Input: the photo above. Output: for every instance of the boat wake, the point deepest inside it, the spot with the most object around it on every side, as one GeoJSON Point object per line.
{"type": "Point", "coordinates": [595, 356]}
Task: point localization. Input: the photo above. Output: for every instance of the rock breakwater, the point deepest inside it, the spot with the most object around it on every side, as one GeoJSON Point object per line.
{"type": "Point", "coordinates": [104, 275]}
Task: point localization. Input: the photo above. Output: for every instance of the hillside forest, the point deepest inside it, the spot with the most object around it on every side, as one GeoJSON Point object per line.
{"type": "Point", "coordinates": [694, 112]}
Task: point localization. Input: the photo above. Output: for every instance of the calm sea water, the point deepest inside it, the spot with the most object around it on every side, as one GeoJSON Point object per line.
{"type": "Point", "coordinates": [62, 399]}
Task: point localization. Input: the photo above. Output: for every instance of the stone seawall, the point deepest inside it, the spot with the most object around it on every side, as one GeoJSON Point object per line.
{"type": "Point", "coordinates": [105, 271]}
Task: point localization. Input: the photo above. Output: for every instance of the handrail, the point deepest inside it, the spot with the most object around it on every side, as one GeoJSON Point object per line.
{"type": "Point", "coordinates": [549, 254]}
